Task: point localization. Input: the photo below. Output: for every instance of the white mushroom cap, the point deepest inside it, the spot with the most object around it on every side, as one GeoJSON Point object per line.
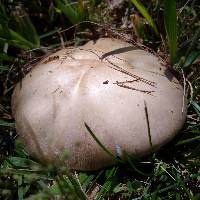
{"type": "Point", "coordinates": [81, 85]}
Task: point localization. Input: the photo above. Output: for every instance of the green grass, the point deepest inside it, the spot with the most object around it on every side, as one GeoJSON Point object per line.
{"type": "Point", "coordinates": [171, 173]}
{"type": "Point", "coordinates": [170, 19]}
{"type": "Point", "coordinates": [145, 14]}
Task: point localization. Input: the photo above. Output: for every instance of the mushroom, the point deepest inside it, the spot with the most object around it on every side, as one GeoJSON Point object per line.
{"type": "Point", "coordinates": [128, 98]}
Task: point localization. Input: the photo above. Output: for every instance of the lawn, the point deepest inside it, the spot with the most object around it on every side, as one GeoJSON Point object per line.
{"type": "Point", "coordinates": [170, 29]}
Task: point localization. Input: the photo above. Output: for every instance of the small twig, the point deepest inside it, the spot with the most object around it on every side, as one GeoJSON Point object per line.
{"type": "Point", "coordinates": [191, 90]}
{"type": "Point", "coordinates": [184, 89]}
{"type": "Point", "coordinates": [167, 172]}
{"type": "Point", "coordinates": [118, 68]}
{"type": "Point", "coordinates": [132, 88]}
{"type": "Point", "coordinates": [120, 35]}
{"type": "Point", "coordinates": [181, 10]}
{"type": "Point", "coordinates": [185, 80]}
{"type": "Point", "coordinates": [61, 40]}
{"type": "Point", "coordinates": [126, 81]}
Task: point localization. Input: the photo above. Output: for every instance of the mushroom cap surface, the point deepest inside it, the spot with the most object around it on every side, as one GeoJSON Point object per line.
{"type": "Point", "coordinates": [106, 85]}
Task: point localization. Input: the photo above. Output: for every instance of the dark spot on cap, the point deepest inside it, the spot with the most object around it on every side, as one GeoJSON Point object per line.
{"type": "Point", "coordinates": [106, 82]}
{"type": "Point", "coordinates": [169, 75]}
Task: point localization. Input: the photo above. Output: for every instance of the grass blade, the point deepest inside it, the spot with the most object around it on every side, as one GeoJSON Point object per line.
{"type": "Point", "coordinates": [108, 184]}
{"type": "Point", "coordinates": [187, 141]}
{"type": "Point", "coordinates": [145, 14]}
{"type": "Point", "coordinates": [77, 186]}
{"type": "Point", "coordinates": [193, 51]}
{"type": "Point", "coordinates": [19, 162]}
{"type": "Point", "coordinates": [98, 142]}
{"type": "Point", "coordinates": [148, 125]}
{"type": "Point", "coordinates": [15, 39]}
{"type": "Point", "coordinates": [171, 27]}
{"type": "Point", "coordinates": [49, 33]}
{"type": "Point", "coordinates": [196, 107]}
{"type": "Point", "coordinates": [68, 10]}
{"type": "Point", "coordinates": [20, 188]}
{"type": "Point", "coordinates": [130, 162]}
{"type": "Point", "coordinates": [25, 27]}
{"type": "Point", "coordinates": [7, 124]}
{"type": "Point", "coordinates": [192, 57]}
